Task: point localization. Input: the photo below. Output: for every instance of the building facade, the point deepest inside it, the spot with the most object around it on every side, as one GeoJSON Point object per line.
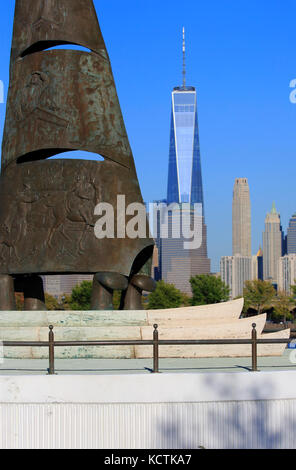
{"type": "Point", "coordinates": [291, 236]}
{"type": "Point", "coordinates": [241, 218]}
{"type": "Point", "coordinates": [180, 262]}
{"type": "Point", "coordinates": [272, 245]}
{"type": "Point", "coordinates": [235, 271]}
{"type": "Point", "coordinates": [59, 285]}
{"type": "Point", "coordinates": [287, 272]}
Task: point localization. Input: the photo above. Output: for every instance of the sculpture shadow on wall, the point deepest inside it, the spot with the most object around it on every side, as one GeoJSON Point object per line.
{"type": "Point", "coordinates": [255, 423]}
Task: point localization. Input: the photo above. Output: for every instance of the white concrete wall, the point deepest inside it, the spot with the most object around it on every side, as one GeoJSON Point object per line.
{"type": "Point", "coordinates": [165, 411]}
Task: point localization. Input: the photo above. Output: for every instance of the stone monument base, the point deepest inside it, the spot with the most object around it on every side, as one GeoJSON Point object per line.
{"type": "Point", "coordinates": [219, 321]}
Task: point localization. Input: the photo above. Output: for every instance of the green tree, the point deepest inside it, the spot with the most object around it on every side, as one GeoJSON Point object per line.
{"type": "Point", "coordinates": [207, 289]}
{"type": "Point", "coordinates": [293, 291]}
{"type": "Point", "coordinates": [166, 296]}
{"type": "Point", "coordinates": [259, 295]}
{"type": "Point", "coordinates": [282, 305]}
{"type": "Point", "coordinates": [81, 296]}
{"type": "Point", "coordinates": [52, 303]}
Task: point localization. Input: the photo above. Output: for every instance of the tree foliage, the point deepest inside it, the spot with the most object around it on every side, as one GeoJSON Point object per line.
{"type": "Point", "coordinates": [293, 291]}
{"type": "Point", "coordinates": [166, 296]}
{"type": "Point", "coordinates": [52, 303]}
{"type": "Point", "coordinates": [207, 289]}
{"type": "Point", "coordinates": [282, 305]}
{"type": "Point", "coordinates": [80, 298]}
{"type": "Point", "coordinates": [259, 295]}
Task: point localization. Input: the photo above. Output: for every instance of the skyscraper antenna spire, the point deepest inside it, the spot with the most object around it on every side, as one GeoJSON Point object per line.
{"type": "Point", "coordinates": [184, 59]}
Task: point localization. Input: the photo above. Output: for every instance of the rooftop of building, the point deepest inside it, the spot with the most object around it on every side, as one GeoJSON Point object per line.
{"type": "Point", "coordinates": [186, 88]}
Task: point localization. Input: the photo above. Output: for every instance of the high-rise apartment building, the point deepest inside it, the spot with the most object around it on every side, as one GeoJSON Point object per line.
{"type": "Point", "coordinates": [272, 245]}
{"type": "Point", "coordinates": [291, 236]}
{"type": "Point", "coordinates": [235, 271]}
{"type": "Point", "coordinates": [241, 218]}
{"type": "Point", "coordinates": [185, 186]}
{"type": "Point", "coordinates": [287, 272]}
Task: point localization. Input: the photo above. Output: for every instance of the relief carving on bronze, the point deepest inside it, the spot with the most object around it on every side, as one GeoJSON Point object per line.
{"type": "Point", "coordinates": [63, 100]}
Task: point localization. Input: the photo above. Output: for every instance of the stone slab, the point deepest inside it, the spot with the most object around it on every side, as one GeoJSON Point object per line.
{"type": "Point", "coordinates": [72, 318]}
{"type": "Point", "coordinates": [211, 313]}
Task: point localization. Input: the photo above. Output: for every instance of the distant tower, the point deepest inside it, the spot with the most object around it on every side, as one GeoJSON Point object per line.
{"type": "Point", "coordinates": [241, 218]}
{"type": "Point", "coordinates": [184, 186]}
{"type": "Point", "coordinates": [185, 178]}
{"type": "Point", "coordinates": [272, 245]}
{"type": "Point", "coordinates": [291, 236]}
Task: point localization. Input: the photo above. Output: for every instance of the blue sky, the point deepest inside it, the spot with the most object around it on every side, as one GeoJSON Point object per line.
{"type": "Point", "coordinates": [241, 57]}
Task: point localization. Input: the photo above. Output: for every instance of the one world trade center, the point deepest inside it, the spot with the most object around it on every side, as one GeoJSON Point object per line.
{"type": "Point", "coordinates": [185, 186]}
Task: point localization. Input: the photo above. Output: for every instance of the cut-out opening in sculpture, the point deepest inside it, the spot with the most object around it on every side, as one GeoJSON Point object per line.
{"type": "Point", "coordinates": [53, 45]}
{"type": "Point", "coordinates": [54, 154]}
{"type": "Point", "coordinates": [143, 258]}
{"type": "Point", "coordinates": [65, 47]}
{"type": "Point", "coordinates": [78, 155]}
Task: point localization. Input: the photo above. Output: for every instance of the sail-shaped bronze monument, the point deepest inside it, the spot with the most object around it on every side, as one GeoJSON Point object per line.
{"type": "Point", "coordinates": [62, 100]}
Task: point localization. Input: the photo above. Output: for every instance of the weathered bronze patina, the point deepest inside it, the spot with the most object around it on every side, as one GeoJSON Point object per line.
{"type": "Point", "coordinates": [59, 101]}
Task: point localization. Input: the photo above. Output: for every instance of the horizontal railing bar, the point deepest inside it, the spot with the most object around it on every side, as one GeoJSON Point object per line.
{"type": "Point", "coordinates": [222, 341]}
{"type": "Point", "coordinates": [104, 343]}
{"type": "Point", "coordinates": [25, 343]}
{"type": "Point", "coordinates": [78, 343]}
{"type": "Point", "coordinates": [145, 342]}
{"type": "Point", "coordinates": [274, 341]}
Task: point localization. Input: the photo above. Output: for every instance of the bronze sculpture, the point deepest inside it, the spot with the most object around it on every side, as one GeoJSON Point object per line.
{"type": "Point", "coordinates": [59, 101]}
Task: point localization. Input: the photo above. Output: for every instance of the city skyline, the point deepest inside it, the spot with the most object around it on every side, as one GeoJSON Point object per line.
{"type": "Point", "coordinates": [248, 120]}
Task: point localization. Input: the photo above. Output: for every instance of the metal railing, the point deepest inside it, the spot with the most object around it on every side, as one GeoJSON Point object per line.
{"type": "Point", "coordinates": [51, 344]}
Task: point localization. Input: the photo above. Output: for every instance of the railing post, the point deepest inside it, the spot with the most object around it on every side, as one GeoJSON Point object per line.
{"type": "Point", "coordinates": [254, 348]}
{"type": "Point", "coordinates": [155, 350]}
{"type": "Point", "coordinates": [51, 351]}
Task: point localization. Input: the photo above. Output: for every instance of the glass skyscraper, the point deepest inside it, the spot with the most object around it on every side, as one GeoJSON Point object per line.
{"type": "Point", "coordinates": [184, 179]}
{"type": "Point", "coordinates": [178, 264]}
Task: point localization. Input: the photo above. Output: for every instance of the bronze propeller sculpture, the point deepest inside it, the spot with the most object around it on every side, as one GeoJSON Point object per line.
{"type": "Point", "coordinates": [62, 100]}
